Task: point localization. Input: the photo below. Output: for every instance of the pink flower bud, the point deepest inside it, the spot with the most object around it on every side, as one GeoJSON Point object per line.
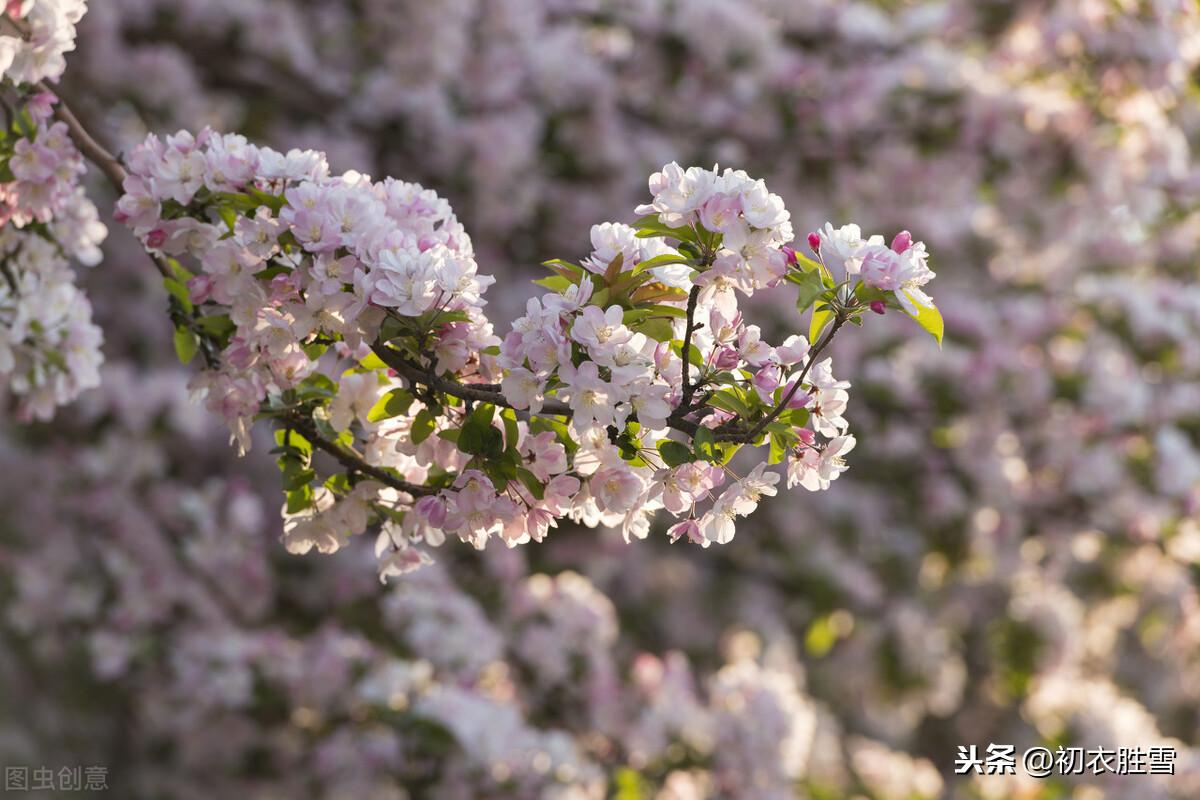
{"type": "Point", "coordinates": [727, 358]}
{"type": "Point", "coordinates": [766, 381]}
{"type": "Point", "coordinates": [156, 238]}
{"type": "Point", "coordinates": [806, 436]}
{"type": "Point", "coordinates": [902, 242]}
{"type": "Point", "coordinates": [791, 255]}
{"type": "Point", "coordinates": [878, 306]}
{"type": "Point", "coordinates": [200, 288]}
{"type": "Point", "coordinates": [814, 241]}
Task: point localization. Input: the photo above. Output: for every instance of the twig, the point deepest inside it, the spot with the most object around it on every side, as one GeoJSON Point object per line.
{"type": "Point", "coordinates": [481, 393]}
{"type": "Point", "coordinates": [92, 150]}
{"type": "Point", "coordinates": [838, 322]}
{"type": "Point", "coordinates": [352, 461]}
{"type": "Point", "coordinates": [688, 388]}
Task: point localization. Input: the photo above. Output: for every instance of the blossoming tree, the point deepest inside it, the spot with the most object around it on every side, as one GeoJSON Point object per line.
{"type": "Point", "coordinates": [350, 314]}
{"type": "Point", "coordinates": [1011, 560]}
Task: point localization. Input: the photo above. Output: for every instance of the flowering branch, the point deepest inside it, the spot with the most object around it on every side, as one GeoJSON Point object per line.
{"type": "Point", "coordinates": [838, 322]}
{"type": "Point", "coordinates": [484, 393]}
{"type": "Point", "coordinates": [352, 461]}
{"type": "Point", "coordinates": [352, 313]}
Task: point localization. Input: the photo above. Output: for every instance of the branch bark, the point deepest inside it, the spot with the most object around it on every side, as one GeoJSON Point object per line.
{"type": "Point", "coordinates": [838, 322]}
{"type": "Point", "coordinates": [353, 461]}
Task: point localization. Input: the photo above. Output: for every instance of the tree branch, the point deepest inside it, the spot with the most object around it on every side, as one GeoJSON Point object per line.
{"type": "Point", "coordinates": [106, 162]}
{"type": "Point", "coordinates": [482, 393]}
{"type": "Point", "coordinates": [111, 168]}
{"type": "Point", "coordinates": [688, 388]}
{"type": "Point", "coordinates": [838, 322]}
{"type": "Point", "coordinates": [354, 462]}
{"type": "Point", "coordinates": [92, 150]}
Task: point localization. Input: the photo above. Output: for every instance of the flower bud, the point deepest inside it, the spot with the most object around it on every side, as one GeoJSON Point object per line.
{"type": "Point", "coordinates": [727, 358]}
{"type": "Point", "coordinates": [878, 306]}
{"type": "Point", "coordinates": [814, 242]}
{"type": "Point", "coordinates": [902, 242]}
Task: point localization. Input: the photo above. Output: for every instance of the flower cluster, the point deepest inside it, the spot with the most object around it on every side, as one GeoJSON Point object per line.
{"type": "Point", "coordinates": [297, 258]}
{"type": "Point", "coordinates": [352, 312]}
{"type": "Point", "coordinates": [49, 348]}
{"type": "Point", "coordinates": [35, 36]}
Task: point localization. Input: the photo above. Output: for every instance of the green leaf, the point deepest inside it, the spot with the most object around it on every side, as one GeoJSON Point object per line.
{"type": "Point", "coordinates": [821, 636]}
{"type": "Point", "coordinates": [228, 216]}
{"type": "Point", "coordinates": [782, 441]}
{"type": "Point", "coordinates": [821, 316]}
{"type": "Point", "coordinates": [511, 431]}
{"type": "Point", "coordinates": [271, 201]}
{"type": "Point", "coordinates": [422, 425]}
{"type": "Point", "coordinates": [373, 362]}
{"type": "Point", "coordinates": [795, 417]}
{"type": "Point", "coordinates": [657, 328]}
{"type": "Point", "coordinates": [179, 291]}
{"type": "Point", "coordinates": [392, 404]}
{"type": "Point", "coordinates": [658, 292]}
{"type": "Point", "coordinates": [187, 343]}
{"type": "Point", "coordinates": [649, 227]}
{"type": "Point", "coordinates": [665, 260]}
{"type": "Point", "coordinates": [219, 326]}
{"type": "Point", "coordinates": [674, 453]}
{"type": "Point", "coordinates": [295, 475]}
{"type": "Point", "coordinates": [572, 272]}
{"type": "Point", "coordinates": [479, 437]}
{"type": "Point", "coordinates": [555, 283]}
{"type": "Point", "coordinates": [530, 481]}
{"type": "Point", "coordinates": [810, 288]}
{"type": "Point", "coordinates": [706, 445]}
{"type": "Point", "coordinates": [726, 451]}
{"type": "Point", "coordinates": [316, 387]}
{"type": "Point", "coordinates": [630, 785]}
{"type": "Point", "coordinates": [928, 318]}
{"type": "Point", "coordinates": [293, 441]}
{"type": "Point", "coordinates": [694, 356]}
{"type": "Point", "coordinates": [637, 314]}
{"type": "Point", "coordinates": [267, 273]}
{"type": "Point", "coordinates": [807, 264]}
{"type": "Point", "coordinates": [778, 450]}
{"type": "Point", "coordinates": [730, 400]}
{"type": "Point", "coordinates": [299, 499]}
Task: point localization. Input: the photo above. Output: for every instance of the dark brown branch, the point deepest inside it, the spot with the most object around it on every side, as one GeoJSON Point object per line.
{"type": "Point", "coordinates": [689, 328]}
{"type": "Point", "coordinates": [838, 322]}
{"type": "Point", "coordinates": [354, 462]}
{"type": "Point", "coordinates": [92, 150]}
{"type": "Point", "coordinates": [481, 393]}
{"type": "Point", "coordinates": [105, 161]}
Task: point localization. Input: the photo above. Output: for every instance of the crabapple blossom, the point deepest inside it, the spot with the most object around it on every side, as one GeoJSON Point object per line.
{"type": "Point", "coordinates": [350, 313]}
{"type": "Point", "coordinates": [1029, 529]}
{"type": "Point", "coordinates": [46, 31]}
{"type": "Point", "coordinates": [49, 347]}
